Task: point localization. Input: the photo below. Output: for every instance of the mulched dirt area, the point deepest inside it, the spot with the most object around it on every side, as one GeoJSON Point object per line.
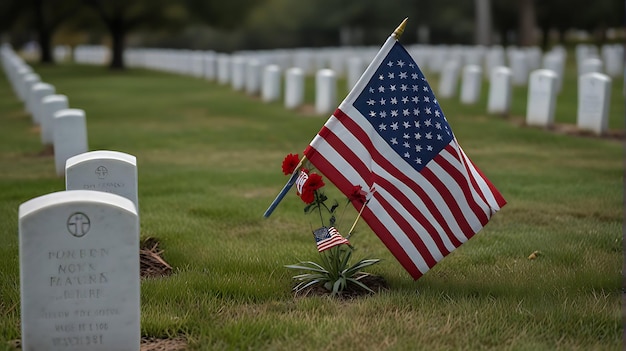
{"type": "Point", "coordinates": [150, 261]}
{"type": "Point", "coordinates": [374, 282]}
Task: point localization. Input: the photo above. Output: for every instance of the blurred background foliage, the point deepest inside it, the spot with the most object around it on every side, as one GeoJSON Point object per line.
{"type": "Point", "coordinates": [268, 24]}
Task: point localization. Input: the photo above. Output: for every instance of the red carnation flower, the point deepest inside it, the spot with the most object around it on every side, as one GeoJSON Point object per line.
{"type": "Point", "coordinates": [290, 163]}
{"type": "Point", "coordinates": [314, 182]}
{"type": "Point", "coordinates": [308, 195]}
{"type": "Point", "coordinates": [357, 194]}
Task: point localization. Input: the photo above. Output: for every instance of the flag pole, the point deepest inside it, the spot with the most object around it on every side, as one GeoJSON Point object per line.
{"type": "Point", "coordinates": [357, 219]}
{"type": "Point", "coordinates": [398, 32]}
{"type": "Point", "coordinates": [285, 189]}
{"type": "Point", "coordinates": [292, 180]}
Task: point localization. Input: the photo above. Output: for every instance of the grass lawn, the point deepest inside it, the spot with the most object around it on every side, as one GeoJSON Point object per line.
{"type": "Point", "coordinates": [209, 165]}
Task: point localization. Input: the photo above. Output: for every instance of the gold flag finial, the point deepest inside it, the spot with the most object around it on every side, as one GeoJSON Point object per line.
{"type": "Point", "coordinates": [398, 32]}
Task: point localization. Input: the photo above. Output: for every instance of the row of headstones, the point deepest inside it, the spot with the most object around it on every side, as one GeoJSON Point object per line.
{"type": "Point", "coordinates": [248, 72]}
{"type": "Point", "coordinates": [62, 127]}
{"type": "Point", "coordinates": [431, 58]}
{"type": "Point", "coordinates": [252, 74]}
{"type": "Point", "coordinates": [79, 257]}
{"type": "Point", "coordinates": [594, 95]}
{"type": "Point", "coordinates": [260, 72]}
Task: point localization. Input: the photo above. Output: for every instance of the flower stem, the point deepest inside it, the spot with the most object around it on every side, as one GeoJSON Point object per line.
{"type": "Point", "coordinates": [319, 207]}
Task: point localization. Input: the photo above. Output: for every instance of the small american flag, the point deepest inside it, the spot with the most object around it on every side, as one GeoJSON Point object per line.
{"type": "Point", "coordinates": [390, 135]}
{"type": "Point", "coordinates": [325, 238]}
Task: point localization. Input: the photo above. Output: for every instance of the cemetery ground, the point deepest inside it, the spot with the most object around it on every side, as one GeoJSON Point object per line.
{"type": "Point", "coordinates": [209, 165]}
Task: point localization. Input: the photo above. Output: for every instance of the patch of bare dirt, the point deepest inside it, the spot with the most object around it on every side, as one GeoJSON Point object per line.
{"type": "Point", "coordinates": [147, 344]}
{"type": "Point", "coordinates": [150, 261]}
{"type": "Point", "coordinates": [154, 344]}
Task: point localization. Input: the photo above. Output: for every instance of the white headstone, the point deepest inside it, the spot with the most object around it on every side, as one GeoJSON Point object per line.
{"type": "Point", "coordinates": [591, 65]}
{"type": "Point", "coordinates": [325, 91]}
{"type": "Point", "coordinates": [294, 88]}
{"type": "Point", "coordinates": [30, 79]}
{"type": "Point", "coordinates": [556, 63]}
{"type": "Point", "coordinates": [519, 67]}
{"type": "Point", "coordinates": [541, 98]}
{"type": "Point", "coordinates": [238, 75]}
{"type": "Point", "coordinates": [210, 66]}
{"type": "Point", "coordinates": [103, 170]}
{"type": "Point", "coordinates": [253, 76]}
{"type": "Point", "coordinates": [271, 83]}
{"type": "Point", "coordinates": [223, 68]}
{"type": "Point", "coordinates": [19, 83]}
{"type": "Point", "coordinates": [471, 84]}
{"type": "Point", "coordinates": [79, 272]}
{"type": "Point", "coordinates": [50, 105]}
{"type": "Point", "coordinates": [356, 67]}
{"type": "Point", "coordinates": [613, 58]}
{"type": "Point", "coordinates": [69, 136]}
{"type": "Point", "coordinates": [37, 92]}
{"type": "Point", "coordinates": [495, 58]}
{"type": "Point", "coordinates": [197, 63]}
{"type": "Point", "coordinates": [499, 100]}
{"type": "Point", "coordinates": [449, 81]}
{"type": "Point", "coordinates": [594, 99]}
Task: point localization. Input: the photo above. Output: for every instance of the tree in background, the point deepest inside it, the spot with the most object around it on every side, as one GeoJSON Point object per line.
{"type": "Point", "coordinates": [121, 17]}
{"type": "Point", "coordinates": [264, 24]}
{"type": "Point", "coordinates": [482, 18]}
{"type": "Point", "coordinates": [43, 17]}
{"type": "Point", "coordinates": [527, 22]}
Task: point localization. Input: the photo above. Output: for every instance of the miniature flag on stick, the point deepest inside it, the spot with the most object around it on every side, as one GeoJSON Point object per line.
{"type": "Point", "coordinates": [391, 134]}
{"type": "Point", "coordinates": [325, 238]}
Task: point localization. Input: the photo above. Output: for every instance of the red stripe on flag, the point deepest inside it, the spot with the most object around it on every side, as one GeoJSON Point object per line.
{"type": "Point", "coordinates": [383, 162]}
{"type": "Point", "coordinates": [331, 172]}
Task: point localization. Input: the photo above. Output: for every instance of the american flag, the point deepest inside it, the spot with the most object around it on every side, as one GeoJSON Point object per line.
{"type": "Point", "coordinates": [325, 238]}
{"type": "Point", "coordinates": [390, 136]}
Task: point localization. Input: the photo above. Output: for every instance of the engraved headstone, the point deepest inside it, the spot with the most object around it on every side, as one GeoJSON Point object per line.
{"type": "Point", "coordinates": [325, 91]}
{"type": "Point", "coordinates": [103, 170]}
{"type": "Point", "coordinates": [79, 272]}
{"type": "Point", "coordinates": [69, 136]}
{"type": "Point", "coordinates": [499, 100]}
{"type": "Point", "coordinates": [294, 88]}
{"type": "Point", "coordinates": [594, 99]}
{"type": "Point", "coordinates": [541, 98]}
{"type": "Point", "coordinates": [471, 84]}
{"type": "Point", "coordinates": [50, 105]}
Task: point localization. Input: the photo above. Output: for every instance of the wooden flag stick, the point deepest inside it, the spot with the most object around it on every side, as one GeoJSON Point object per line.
{"type": "Point", "coordinates": [357, 219]}
{"type": "Point", "coordinates": [283, 192]}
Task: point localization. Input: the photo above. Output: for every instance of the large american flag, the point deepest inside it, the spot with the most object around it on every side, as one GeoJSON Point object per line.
{"type": "Point", "coordinates": [390, 136]}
